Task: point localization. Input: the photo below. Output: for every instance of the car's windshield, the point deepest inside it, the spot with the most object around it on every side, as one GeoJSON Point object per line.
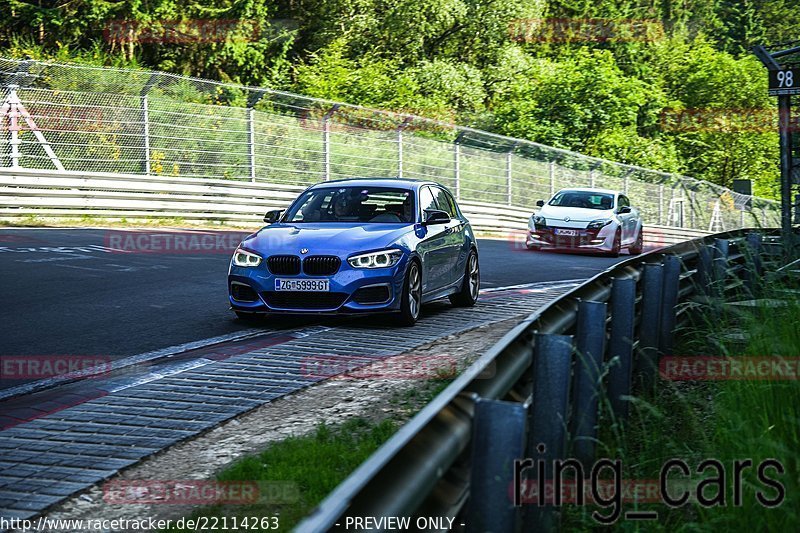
{"type": "Point", "coordinates": [583, 199]}
{"type": "Point", "coordinates": [354, 204]}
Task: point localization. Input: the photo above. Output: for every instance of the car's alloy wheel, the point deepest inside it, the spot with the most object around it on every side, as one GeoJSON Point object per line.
{"type": "Point", "coordinates": [637, 248]}
{"type": "Point", "coordinates": [617, 246]}
{"type": "Point", "coordinates": [411, 301]}
{"type": "Point", "coordinates": [471, 286]}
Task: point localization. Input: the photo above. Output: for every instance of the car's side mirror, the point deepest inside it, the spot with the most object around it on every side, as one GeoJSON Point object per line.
{"type": "Point", "coordinates": [273, 216]}
{"type": "Point", "coordinates": [434, 216]}
{"type": "Point", "coordinates": [624, 209]}
{"type": "Point", "coordinates": [539, 203]}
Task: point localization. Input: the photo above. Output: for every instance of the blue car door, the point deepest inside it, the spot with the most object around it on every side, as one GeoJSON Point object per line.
{"type": "Point", "coordinates": [433, 246]}
{"type": "Point", "coordinates": [456, 253]}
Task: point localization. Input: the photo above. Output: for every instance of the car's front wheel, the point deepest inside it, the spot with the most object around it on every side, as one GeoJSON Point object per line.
{"type": "Point", "coordinates": [616, 246]}
{"type": "Point", "coordinates": [638, 247]}
{"type": "Point", "coordinates": [470, 287]}
{"type": "Point", "coordinates": [411, 299]}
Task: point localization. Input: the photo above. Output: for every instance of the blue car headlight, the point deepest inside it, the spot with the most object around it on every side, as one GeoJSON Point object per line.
{"type": "Point", "coordinates": [243, 258]}
{"type": "Point", "coordinates": [382, 259]}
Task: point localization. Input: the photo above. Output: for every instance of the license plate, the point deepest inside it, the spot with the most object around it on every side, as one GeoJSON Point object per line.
{"type": "Point", "coordinates": [567, 232]}
{"type": "Point", "coordinates": [302, 285]}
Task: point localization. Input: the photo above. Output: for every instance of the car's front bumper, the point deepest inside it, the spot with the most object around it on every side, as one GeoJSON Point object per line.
{"type": "Point", "coordinates": [352, 290]}
{"type": "Point", "coordinates": [547, 237]}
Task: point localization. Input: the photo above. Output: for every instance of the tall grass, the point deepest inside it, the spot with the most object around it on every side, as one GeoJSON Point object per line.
{"type": "Point", "coordinates": [723, 420]}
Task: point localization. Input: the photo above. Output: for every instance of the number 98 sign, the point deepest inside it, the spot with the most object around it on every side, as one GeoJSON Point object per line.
{"type": "Point", "coordinates": [785, 81]}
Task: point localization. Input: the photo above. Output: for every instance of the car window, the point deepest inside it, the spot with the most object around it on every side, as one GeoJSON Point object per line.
{"type": "Point", "coordinates": [353, 204]}
{"type": "Point", "coordinates": [445, 202]}
{"type": "Point", "coordinates": [583, 199]}
{"type": "Point", "coordinates": [426, 201]}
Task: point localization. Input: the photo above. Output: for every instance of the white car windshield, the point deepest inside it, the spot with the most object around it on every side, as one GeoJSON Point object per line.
{"type": "Point", "coordinates": [357, 204]}
{"type": "Point", "coordinates": [583, 199]}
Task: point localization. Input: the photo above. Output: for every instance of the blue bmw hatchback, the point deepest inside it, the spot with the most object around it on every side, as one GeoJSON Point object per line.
{"type": "Point", "coordinates": [358, 246]}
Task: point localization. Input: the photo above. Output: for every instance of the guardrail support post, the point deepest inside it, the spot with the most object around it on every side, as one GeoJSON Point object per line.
{"type": "Point", "coordinates": [703, 281]}
{"type": "Point", "coordinates": [552, 361]}
{"type": "Point", "coordinates": [652, 292]}
{"type": "Point", "coordinates": [620, 345]}
{"type": "Point", "coordinates": [590, 343]}
{"type": "Point", "coordinates": [498, 439]}
{"type": "Point", "coordinates": [754, 268]}
{"type": "Point", "coordinates": [672, 278]}
{"type": "Point", "coordinates": [719, 268]}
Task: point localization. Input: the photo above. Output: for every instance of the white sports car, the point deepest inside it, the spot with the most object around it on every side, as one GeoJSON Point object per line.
{"type": "Point", "coordinates": [586, 219]}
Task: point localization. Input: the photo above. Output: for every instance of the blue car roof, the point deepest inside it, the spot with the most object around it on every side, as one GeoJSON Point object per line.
{"type": "Point", "coordinates": [374, 182]}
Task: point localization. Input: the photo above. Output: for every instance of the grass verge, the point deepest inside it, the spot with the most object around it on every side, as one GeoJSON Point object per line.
{"type": "Point", "coordinates": [726, 421]}
{"type": "Point", "coordinates": [307, 468]}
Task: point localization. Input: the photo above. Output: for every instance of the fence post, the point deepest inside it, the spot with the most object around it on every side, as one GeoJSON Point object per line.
{"type": "Point", "coordinates": [251, 141]}
{"type": "Point", "coordinates": [590, 344]}
{"type": "Point", "coordinates": [457, 167]}
{"type": "Point", "coordinates": [508, 176]}
{"type": "Point", "coordinates": [693, 203]}
{"type": "Point", "coordinates": [146, 133]}
{"type": "Point", "coordinates": [591, 178]}
{"type": "Point", "coordinates": [620, 345]}
{"type": "Point", "coordinates": [498, 439]}
{"type": "Point", "coordinates": [552, 359]}
{"type": "Point", "coordinates": [400, 129]}
{"type": "Point", "coordinates": [652, 291]}
{"type": "Point", "coordinates": [326, 140]}
{"type": "Point", "coordinates": [661, 205]}
{"type": "Point", "coordinates": [552, 178]}
{"type": "Point", "coordinates": [672, 278]}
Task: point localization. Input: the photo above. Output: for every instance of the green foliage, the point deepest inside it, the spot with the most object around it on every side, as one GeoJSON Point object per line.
{"type": "Point", "coordinates": [603, 91]}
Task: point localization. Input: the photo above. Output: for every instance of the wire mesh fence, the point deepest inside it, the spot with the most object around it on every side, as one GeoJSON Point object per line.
{"type": "Point", "coordinates": [93, 119]}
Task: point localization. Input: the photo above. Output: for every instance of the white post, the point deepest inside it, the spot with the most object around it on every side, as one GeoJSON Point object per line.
{"type": "Point", "coordinates": [457, 168]}
{"type": "Point", "coordinates": [326, 144]}
{"type": "Point", "coordinates": [552, 178]}
{"type": "Point", "coordinates": [146, 134]}
{"type": "Point", "coordinates": [591, 178]}
{"type": "Point", "coordinates": [660, 204]}
{"type": "Point", "coordinates": [251, 141]}
{"type": "Point", "coordinates": [508, 178]}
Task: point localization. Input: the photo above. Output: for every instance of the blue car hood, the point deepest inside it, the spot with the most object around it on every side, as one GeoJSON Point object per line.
{"type": "Point", "coordinates": [340, 239]}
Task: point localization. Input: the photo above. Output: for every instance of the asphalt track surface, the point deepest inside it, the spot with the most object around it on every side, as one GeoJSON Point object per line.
{"type": "Point", "coordinates": [68, 291]}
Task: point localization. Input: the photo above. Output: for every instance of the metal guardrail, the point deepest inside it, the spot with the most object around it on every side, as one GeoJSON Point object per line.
{"type": "Point", "coordinates": [453, 459]}
{"type": "Point", "coordinates": [31, 192]}
{"type": "Point", "coordinates": [92, 119]}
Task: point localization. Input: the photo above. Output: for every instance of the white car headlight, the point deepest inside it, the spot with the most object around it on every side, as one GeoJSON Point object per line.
{"type": "Point", "coordinates": [243, 258]}
{"type": "Point", "coordinates": [382, 259]}
{"type": "Point", "coordinates": [599, 223]}
{"type": "Point", "coordinates": [539, 220]}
